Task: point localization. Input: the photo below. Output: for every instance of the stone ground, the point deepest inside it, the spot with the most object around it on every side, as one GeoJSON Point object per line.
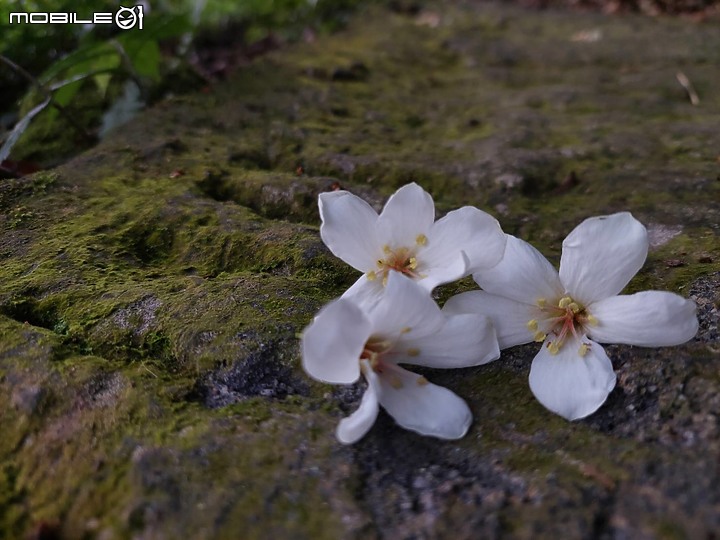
{"type": "Point", "coordinates": [153, 287]}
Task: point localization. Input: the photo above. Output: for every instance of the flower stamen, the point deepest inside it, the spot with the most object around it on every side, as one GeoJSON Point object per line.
{"type": "Point", "coordinates": [400, 259]}
{"type": "Point", "coordinates": [564, 319]}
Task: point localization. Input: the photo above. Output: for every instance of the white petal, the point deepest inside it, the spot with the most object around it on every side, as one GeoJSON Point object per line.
{"type": "Point", "coordinates": [523, 274]}
{"type": "Point", "coordinates": [405, 305]}
{"type": "Point", "coordinates": [365, 293]}
{"type": "Point", "coordinates": [571, 385]}
{"type": "Point", "coordinates": [333, 342]}
{"type": "Point", "coordinates": [348, 229]}
{"type": "Point", "coordinates": [421, 406]}
{"type": "Point", "coordinates": [648, 319]}
{"type": "Point", "coordinates": [409, 212]}
{"type": "Point", "coordinates": [601, 255]}
{"type": "Point", "coordinates": [354, 427]}
{"type": "Point", "coordinates": [510, 318]}
{"type": "Point", "coordinates": [465, 340]}
{"type": "Point", "coordinates": [467, 229]}
{"type": "Point", "coordinates": [432, 276]}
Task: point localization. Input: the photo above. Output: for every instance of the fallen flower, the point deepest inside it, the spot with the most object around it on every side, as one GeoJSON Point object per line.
{"type": "Point", "coordinates": [404, 326]}
{"type": "Point", "coordinates": [405, 238]}
{"type": "Point", "coordinates": [571, 313]}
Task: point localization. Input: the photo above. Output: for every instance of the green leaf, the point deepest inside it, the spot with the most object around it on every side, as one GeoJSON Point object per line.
{"type": "Point", "coordinates": [64, 94]}
{"type": "Point", "coordinates": [142, 47]}
{"type": "Point", "coordinates": [91, 57]}
{"type": "Point", "coordinates": [102, 80]}
{"type": "Point", "coordinates": [146, 60]}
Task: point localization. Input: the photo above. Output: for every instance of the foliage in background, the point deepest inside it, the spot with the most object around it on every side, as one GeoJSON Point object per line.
{"type": "Point", "coordinates": [83, 70]}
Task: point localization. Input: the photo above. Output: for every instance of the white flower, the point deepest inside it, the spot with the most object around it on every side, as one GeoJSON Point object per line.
{"type": "Point", "coordinates": [404, 326]}
{"type": "Point", "coordinates": [574, 311]}
{"type": "Point", "coordinates": [406, 238]}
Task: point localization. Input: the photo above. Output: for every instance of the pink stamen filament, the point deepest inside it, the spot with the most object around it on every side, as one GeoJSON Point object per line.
{"type": "Point", "coordinates": [566, 321]}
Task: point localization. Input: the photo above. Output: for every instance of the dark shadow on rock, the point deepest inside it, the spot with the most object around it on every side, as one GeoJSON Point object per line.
{"type": "Point", "coordinates": [260, 373]}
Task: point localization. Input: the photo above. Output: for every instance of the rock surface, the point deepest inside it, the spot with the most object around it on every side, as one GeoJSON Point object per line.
{"type": "Point", "coordinates": [152, 290]}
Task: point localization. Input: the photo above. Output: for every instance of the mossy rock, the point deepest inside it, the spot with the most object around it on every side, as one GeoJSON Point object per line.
{"type": "Point", "coordinates": [154, 286]}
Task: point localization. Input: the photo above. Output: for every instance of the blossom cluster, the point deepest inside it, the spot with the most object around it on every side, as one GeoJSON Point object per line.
{"type": "Point", "coordinates": [388, 317]}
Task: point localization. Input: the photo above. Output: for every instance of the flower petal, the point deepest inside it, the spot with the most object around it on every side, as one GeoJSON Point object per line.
{"type": "Point", "coordinates": [405, 305]}
{"type": "Point", "coordinates": [601, 255]}
{"type": "Point", "coordinates": [348, 229]}
{"type": "Point", "coordinates": [466, 229]}
{"type": "Point", "coordinates": [571, 385]}
{"type": "Point", "coordinates": [465, 340]}
{"type": "Point", "coordinates": [421, 406]}
{"type": "Point", "coordinates": [354, 427]}
{"type": "Point", "coordinates": [510, 318]}
{"type": "Point", "coordinates": [409, 212]}
{"type": "Point", "coordinates": [523, 274]}
{"type": "Point", "coordinates": [453, 269]}
{"type": "Point", "coordinates": [648, 319]}
{"type": "Point", "coordinates": [333, 342]}
{"type": "Point", "coordinates": [365, 293]}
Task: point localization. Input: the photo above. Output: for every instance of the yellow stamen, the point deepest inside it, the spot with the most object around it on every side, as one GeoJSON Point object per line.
{"type": "Point", "coordinates": [422, 381]}
{"type": "Point", "coordinates": [564, 302]}
{"type": "Point", "coordinates": [413, 352]}
{"type": "Point", "coordinates": [412, 263]}
{"type": "Point", "coordinates": [421, 240]}
{"type": "Point", "coordinates": [532, 325]}
{"type": "Point", "coordinates": [553, 347]}
{"type": "Point", "coordinates": [539, 336]}
{"type": "Point", "coordinates": [387, 249]}
{"type": "Point", "coordinates": [574, 307]}
{"type": "Point", "coordinates": [405, 330]}
{"type": "Point", "coordinates": [583, 349]}
{"type": "Point", "coordinates": [380, 263]}
{"type": "Point", "coordinates": [396, 383]}
{"type": "Point", "coordinates": [592, 320]}
{"type": "Point", "coordinates": [371, 275]}
{"type": "Point", "coordinates": [541, 302]}
{"type": "Point", "coordinates": [385, 280]}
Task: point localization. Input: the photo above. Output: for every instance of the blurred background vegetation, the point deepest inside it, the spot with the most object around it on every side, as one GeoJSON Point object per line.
{"type": "Point", "coordinates": [63, 86]}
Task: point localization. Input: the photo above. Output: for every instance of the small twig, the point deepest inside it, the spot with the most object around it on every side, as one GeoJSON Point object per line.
{"type": "Point", "coordinates": [48, 95]}
{"type": "Point", "coordinates": [19, 129]}
{"type": "Point", "coordinates": [687, 85]}
{"type": "Point", "coordinates": [148, 370]}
